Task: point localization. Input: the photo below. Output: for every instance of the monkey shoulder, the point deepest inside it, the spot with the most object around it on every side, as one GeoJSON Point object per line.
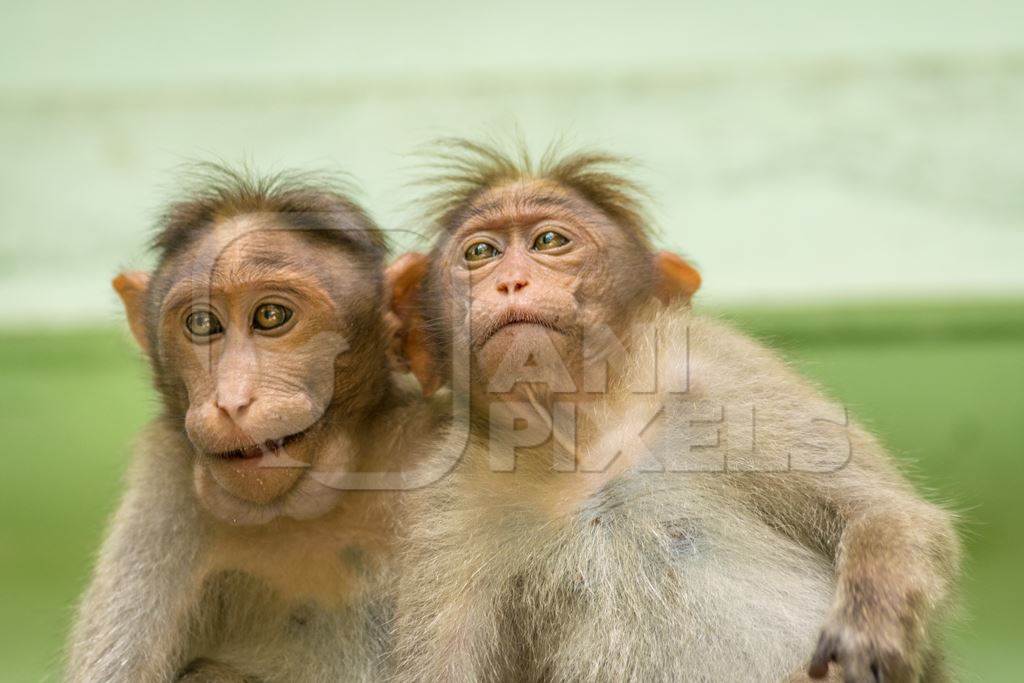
{"type": "Point", "coordinates": [726, 363]}
{"type": "Point", "coordinates": [748, 409]}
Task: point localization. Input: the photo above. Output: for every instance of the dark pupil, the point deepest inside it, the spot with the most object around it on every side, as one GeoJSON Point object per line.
{"type": "Point", "coordinates": [269, 316]}
{"type": "Point", "coordinates": [202, 323]}
{"type": "Point", "coordinates": [480, 250]}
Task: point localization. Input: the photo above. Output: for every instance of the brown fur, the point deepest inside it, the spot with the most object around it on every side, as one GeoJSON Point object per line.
{"type": "Point", "coordinates": [278, 575]}
{"type": "Point", "coordinates": [729, 524]}
{"type": "Point", "coordinates": [634, 573]}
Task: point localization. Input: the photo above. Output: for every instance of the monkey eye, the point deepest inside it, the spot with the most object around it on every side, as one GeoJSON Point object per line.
{"type": "Point", "coordinates": [270, 316]}
{"type": "Point", "coordinates": [481, 251]}
{"type": "Point", "coordinates": [203, 324]}
{"type": "Point", "coordinates": [549, 240]}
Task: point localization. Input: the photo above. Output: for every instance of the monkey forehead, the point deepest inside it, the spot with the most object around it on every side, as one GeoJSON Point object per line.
{"type": "Point", "coordinates": [256, 251]}
{"type": "Point", "coordinates": [530, 200]}
{"type": "Point", "coordinates": [246, 235]}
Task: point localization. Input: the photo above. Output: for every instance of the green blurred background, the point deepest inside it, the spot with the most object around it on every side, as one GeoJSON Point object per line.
{"type": "Point", "coordinates": [850, 181]}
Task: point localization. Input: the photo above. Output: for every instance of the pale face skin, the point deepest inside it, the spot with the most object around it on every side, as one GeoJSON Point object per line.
{"type": "Point", "coordinates": [541, 270]}
{"type": "Point", "coordinates": [255, 325]}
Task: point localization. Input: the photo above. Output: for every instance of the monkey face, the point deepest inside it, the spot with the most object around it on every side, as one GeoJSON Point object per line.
{"type": "Point", "coordinates": [536, 278]}
{"type": "Point", "coordinates": [534, 274]}
{"type": "Point", "coordinates": [256, 327]}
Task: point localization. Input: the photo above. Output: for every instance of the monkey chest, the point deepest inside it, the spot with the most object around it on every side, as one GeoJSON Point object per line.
{"type": "Point", "coordinates": [332, 571]}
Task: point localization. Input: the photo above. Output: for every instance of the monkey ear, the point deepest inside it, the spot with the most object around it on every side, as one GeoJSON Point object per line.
{"type": "Point", "coordinates": [675, 279]}
{"type": "Point", "coordinates": [409, 349]}
{"type": "Point", "coordinates": [131, 287]}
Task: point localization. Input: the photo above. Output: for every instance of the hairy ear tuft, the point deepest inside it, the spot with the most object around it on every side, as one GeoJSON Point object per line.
{"type": "Point", "coordinates": [131, 286]}
{"type": "Point", "coordinates": [675, 278]}
{"type": "Point", "coordinates": [409, 348]}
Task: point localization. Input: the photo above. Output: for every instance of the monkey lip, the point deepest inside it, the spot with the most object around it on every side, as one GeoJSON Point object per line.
{"type": "Point", "coordinates": [513, 317]}
{"type": "Point", "coordinates": [257, 450]}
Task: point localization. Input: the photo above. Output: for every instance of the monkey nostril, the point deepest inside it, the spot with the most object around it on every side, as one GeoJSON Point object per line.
{"type": "Point", "coordinates": [234, 409]}
{"type": "Point", "coordinates": [511, 286]}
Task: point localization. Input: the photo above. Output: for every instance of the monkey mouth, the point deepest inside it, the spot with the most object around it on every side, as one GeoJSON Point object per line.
{"type": "Point", "coordinates": [256, 450]}
{"type": "Point", "coordinates": [512, 317]}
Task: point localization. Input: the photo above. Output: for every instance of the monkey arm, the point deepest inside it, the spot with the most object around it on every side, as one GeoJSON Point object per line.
{"type": "Point", "coordinates": [133, 620]}
{"type": "Point", "coordinates": [896, 563]}
{"type": "Point", "coordinates": [896, 559]}
{"type": "Point", "coordinates": [825, 482]}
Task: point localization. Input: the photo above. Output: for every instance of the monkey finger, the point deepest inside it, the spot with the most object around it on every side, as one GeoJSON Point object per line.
{"type": "Point", "coordinates": [823, 655]}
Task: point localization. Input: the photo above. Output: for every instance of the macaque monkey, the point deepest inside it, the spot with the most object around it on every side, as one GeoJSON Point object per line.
{"type": "Point", "coordinates": [636, 492]}
{"type": "Point", "coordinates": [250, 544]}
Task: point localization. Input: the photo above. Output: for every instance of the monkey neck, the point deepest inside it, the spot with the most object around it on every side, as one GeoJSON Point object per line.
{"type": "Point", "coordinates": [379, 433]}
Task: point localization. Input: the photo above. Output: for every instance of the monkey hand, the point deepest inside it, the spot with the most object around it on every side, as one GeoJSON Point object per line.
{"type": "Point", "coordinates": [871, 639]}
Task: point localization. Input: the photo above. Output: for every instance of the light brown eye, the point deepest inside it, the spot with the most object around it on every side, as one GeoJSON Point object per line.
{"type": "Point", "coordinates": [549, 240]}
{"type": "Point", "coordinates": [203, 324]}
{"type": "Point", "coordinates": [481, 251]}
{"type": "Point", "coordinates": [269, 316]}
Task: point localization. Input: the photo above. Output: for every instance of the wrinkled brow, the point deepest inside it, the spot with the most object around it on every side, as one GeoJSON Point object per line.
{"type": "Point", "coordinates": [500, 212]}
{"type": "Point", "coordinates": [285, 281]}
{"type": "Point", "coordinates": [539, 201]}
{"type": "Point", "coordinates": [261, 266]}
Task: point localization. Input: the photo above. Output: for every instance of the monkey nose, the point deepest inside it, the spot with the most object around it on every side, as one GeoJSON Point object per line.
{"type": "Point", "coordinates": [512, 285]}
{"type": "Point", "coordinates": [234, 406]}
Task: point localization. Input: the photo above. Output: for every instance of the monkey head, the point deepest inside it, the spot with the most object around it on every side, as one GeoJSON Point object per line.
{"type": "Point", "coordinates": [263, 326]}
{"type": "Point", "coordinates": [536, 275]}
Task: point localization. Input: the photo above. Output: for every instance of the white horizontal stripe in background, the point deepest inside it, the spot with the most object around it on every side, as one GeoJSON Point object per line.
{"type": "Point", "coordinates": [874, 150]}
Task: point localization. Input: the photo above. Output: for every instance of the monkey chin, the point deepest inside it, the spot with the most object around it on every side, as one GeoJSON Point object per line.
{"type": "Point", "coordinates": [259, 484]}
{"type": "Point", "coordinates": [525, 351]}
{"type": "Point", "coordinates": [256, 484]}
